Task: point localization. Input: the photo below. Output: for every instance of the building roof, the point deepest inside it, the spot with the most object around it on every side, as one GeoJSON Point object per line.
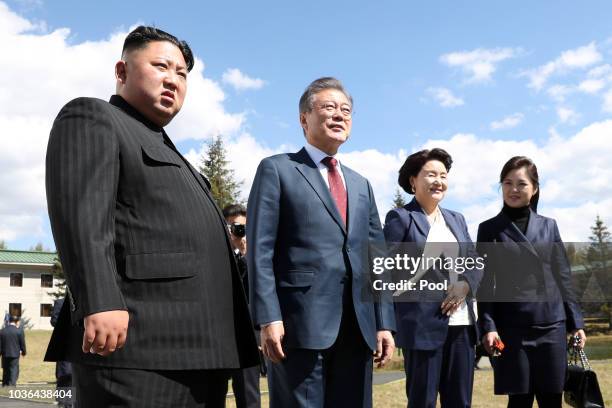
{"type": "Point", "coordinates": [27, 257]}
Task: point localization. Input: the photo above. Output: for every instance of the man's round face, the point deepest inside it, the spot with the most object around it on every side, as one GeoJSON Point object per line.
{"type": "Point", "coordinates": [155, 81]}
{"type": "Point", "coordinates": [328, 124]}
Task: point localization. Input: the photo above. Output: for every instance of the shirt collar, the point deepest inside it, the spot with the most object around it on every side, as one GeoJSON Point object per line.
{"type": "Point", "coordinates": [316, 154]}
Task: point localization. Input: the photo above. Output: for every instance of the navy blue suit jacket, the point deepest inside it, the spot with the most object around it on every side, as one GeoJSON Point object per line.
{"type": "Point", "coordinates": [301, 255]}
{"type": "Point", "coordinates": [421, 325]}
{"type": "Point", "coordinates": [526, 268]}
{"type": "Point", "coordinates": [12, 342]}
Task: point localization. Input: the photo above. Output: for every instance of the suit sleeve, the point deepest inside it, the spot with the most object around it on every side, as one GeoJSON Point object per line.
{"type": "Point", "coordinates": [474, 275]}
{"type": "Point", "coordinates": [383, 308]}
{"type": "Point", "coordinates": [82, 173]}
{"type": "Point", "coordinates": [263, 218]}
{"type": "Point", "coordinates": [487, 285]}
{"type": "Point", "coordinates": [562, 272]}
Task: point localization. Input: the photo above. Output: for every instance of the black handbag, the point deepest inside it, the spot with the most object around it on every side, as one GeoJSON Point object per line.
{"type": "Point", "coordinates": [581, 385]}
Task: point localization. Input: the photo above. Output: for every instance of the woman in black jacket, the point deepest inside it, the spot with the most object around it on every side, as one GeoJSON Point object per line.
{"type": "Point", "coordinates": [526, 296]}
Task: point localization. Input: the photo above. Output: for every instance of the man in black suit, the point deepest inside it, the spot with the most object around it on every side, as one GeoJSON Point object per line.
{"type": "Point", "coordinates": [245, 382]}
{"type": "Point", "coordinates": [63, 369]}
{"type": "Point", "coordinates": [12, 345]}
{"type": "Point", "coordinates": [157, 312]}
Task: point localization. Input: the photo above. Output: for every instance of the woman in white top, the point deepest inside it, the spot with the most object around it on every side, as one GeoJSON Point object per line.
{"type": "Point", "coordinates": [436, 310]}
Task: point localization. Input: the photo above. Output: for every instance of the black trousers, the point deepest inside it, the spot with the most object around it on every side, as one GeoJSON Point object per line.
{"type": "Point", "coordinates": [10, 370]}
{"type": "Point", "coordinates": [245, 384]}
{"type": "Point", "coordinates": [112, 387]}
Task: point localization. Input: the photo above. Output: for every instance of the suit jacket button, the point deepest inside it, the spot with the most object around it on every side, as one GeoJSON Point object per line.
{"type": "Point", "coordinates": [348, 249]}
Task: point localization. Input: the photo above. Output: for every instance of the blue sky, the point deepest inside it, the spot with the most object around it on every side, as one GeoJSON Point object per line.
{"type": "Point", "coordinates": [485, 80]}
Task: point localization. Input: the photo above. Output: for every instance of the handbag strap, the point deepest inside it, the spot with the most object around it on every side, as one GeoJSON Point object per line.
{"type": "Point", "coordinates": [576, 352]}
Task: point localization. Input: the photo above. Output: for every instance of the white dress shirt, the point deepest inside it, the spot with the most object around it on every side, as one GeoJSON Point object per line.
{"type": "Point", "coordinates": [317, 155]}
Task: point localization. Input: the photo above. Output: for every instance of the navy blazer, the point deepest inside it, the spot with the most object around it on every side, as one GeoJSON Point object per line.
{"type": "Point", "coordinates": [12, 342]}
{"type": "Point", "coordinates": [301, 255]}
{"type": "Point", "coordinates": [528, 274]}
{"type": "Point", "coordinates": [421, 325]}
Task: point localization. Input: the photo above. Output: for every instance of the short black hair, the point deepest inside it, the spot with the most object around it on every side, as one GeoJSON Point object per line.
{"type": "Point", "coordinates": [234, 210]}
{"type": "Point", "coordinates": [143, 35]}
{"type": "Point", "coordinates": [415, 162]}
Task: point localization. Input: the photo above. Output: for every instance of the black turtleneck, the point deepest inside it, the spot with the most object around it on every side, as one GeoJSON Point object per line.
{"type": "Point", "coordinates": [519, 216]}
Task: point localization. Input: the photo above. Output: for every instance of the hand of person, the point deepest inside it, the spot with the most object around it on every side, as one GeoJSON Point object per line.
{"type": "Point", "coordinates": [271, 341]}
{"type": "Point", "coordinates": [580, 333]}
{"type": "Point", "coordinates": [488, 341]}
{"type": "Point", "coordinates": [454, 298]}
{"type": "Point", "coordinates": [105, 331]}
{"type": "Point", "coordinates": [385, 346]}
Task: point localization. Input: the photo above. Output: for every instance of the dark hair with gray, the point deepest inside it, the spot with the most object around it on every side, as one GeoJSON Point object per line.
{"type": "Point", "coordinates": [415, 162]}
{"type": "Point", "coordinates": [234, 210]}
{"type": "Point", "coordinates": [143, 35]}
{"type": "Point", "coordinates": [518, 162]}
{"type": "Point", "coordinates": [318, 85]}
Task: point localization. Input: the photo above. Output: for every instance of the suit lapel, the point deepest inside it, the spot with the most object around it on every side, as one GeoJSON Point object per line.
{"type": "Point", "coordinates": [419, 217]}
{"type": "Point", "coordinates": [353, 195]}
{"type": "Point", "coordinates": [306, 167]}
{"type": "Point", "coordinates": [452, 224]}
{"type": "Point", "coordinates": [510, 229]}
{"type": "Point", "coordinates": [533, 226]}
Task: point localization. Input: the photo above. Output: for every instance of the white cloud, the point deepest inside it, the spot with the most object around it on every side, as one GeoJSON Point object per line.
{"type": "Point", "coordinates": [508, 122]}
{"type": "Point", "coordinates": [578, 58]}
{"type": "Point", "coordinates": [51, 69]}
{"type": "Point", "coordinates": [244, 153]}
{"type": "Point", "coordinates": [445, 97]}
{"type": "Point", "coordinates": [607, 102]}
{"type": "Point", "coordinates": [241, 81]}
{"type": "Point", "coordinates": [591, 86]}
{"type": "Point", "coordinates": [559, 92]}
{"type": "Point", "coordinates": [481, 63]}
{"type": "Point", "coordinates": [600, 71]}
{"type": "Point", "coordinates": [567, 115]}
{"type": "Point", "coordinates": [574, 173]}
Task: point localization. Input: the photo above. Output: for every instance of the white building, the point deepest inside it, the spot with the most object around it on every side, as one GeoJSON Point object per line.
{"type": "Point", "coordinates": [26, 281]}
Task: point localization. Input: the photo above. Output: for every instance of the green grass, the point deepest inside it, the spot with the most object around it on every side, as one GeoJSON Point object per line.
{"type": "Point", "coordinates": [599, 347]}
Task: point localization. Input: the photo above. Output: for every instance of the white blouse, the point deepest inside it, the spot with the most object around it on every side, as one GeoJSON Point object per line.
{"type": "Point", "coordinates": [442, 242]}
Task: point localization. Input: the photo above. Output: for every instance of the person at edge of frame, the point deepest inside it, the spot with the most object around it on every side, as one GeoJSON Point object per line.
{"type": "Point", "coordinates": [155, 313]}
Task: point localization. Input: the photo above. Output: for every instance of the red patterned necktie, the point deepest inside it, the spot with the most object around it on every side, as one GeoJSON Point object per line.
{"type": "Point", "coordinates": [336, 187]}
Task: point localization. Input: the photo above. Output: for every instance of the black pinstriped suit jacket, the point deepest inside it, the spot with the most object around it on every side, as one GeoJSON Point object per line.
{"type": "Point", "coordinates": [137, 229]}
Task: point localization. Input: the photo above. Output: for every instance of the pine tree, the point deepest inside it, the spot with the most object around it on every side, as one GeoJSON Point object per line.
{"type": "Point", "coordinates": [225, 189]}
{"type": "Point", "coordinates": [58, 273]}
{"type": "Point", "coordinates": [38, 247]}
{"type": "Point", "coordinates": [398, 199]}
{"type": "Point", "coordinates": [598, 257]}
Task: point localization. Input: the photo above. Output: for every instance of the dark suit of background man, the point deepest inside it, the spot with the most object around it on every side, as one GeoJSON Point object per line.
{"type": "Point", "coordinates": [245, 382]}
{"type": "Point", "coordinates": [12, 345]}
{"type": "Point", "coordinates": [157, 312]}
{"type": "Point", "coordinates": [312, 223]}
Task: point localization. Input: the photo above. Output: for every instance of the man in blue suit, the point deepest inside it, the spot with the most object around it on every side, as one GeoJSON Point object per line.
{"type": "Point", "coordinates": [12, 346]}
{"type": "Point", "coordinates": [313, 225]}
